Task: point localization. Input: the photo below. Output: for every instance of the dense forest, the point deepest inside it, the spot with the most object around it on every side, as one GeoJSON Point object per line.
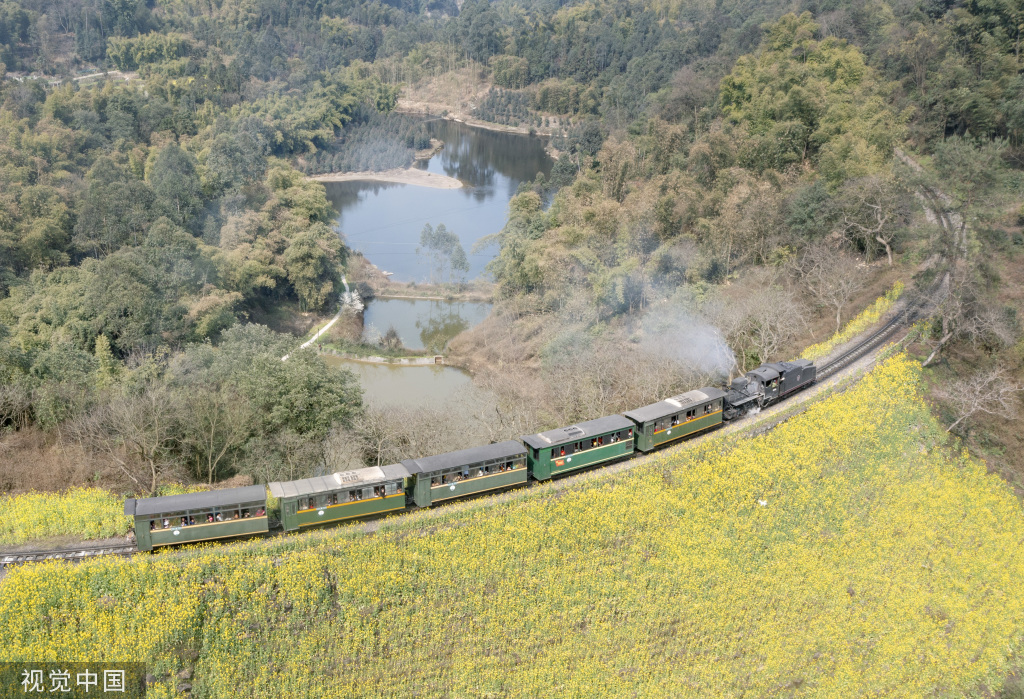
{"type": "Point", "coordinates": [737, 165]}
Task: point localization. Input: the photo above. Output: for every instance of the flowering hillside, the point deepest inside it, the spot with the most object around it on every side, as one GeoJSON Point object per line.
{"type": "Point", "coordinates": [88, 513]}
{"type": "Point", "coordinates": [84, 513]}
{"type": "Point", "coordinates": [843, 554]}
{"type": "Point", "coordinates": [864, 320]}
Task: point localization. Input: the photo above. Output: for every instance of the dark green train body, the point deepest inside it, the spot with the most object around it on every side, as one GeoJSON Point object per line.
{"type": "Point", "coordinates": [183, 519]}
{"type": "Point", "coordinates": [466, 472]}
{"type": "Point", "coordinates": [579, 446]}
{"type": "Point", "coordinates": [340, 496]}
{"type": "Point", "coordinates": [675, 418]}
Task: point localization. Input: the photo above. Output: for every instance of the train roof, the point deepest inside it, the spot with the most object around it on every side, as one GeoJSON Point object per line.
{"type": "Point", "coordinates": [195, 501]}
{"type": "Point", "coordinates": [765, 373]}
{"type": "Point", "coordinates": [464, 457]}
{"type": "Point", "coordinates": [338, 481]}
{"type": "Point", "coordinates": [574, 433]}
{"type": "Point", "coordinates": [673, 405]}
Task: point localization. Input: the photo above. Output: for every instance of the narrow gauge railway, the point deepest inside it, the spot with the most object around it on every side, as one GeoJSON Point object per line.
{"type": "Point", "coordinates": [423, 482]}
{"type": "Point", "coordinates": [9, 559]}
{"type": "Point", "coordinates": [432, 480]}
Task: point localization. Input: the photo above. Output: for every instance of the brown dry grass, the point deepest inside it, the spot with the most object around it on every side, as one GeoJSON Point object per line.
{"type": "Point", "coordinates": [33, 460]}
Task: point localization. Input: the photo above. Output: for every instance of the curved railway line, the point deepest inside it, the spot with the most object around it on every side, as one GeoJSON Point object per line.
{"type": "Point", "coordinates": [913, 311]}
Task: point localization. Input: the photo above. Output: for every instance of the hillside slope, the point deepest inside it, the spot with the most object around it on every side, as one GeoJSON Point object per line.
{"type": "Point", "coordinates": [844, 554]}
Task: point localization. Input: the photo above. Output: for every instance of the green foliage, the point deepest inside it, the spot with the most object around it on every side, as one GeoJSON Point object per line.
{"type": "Point", "coordinates": [801, 98]}
{"type": "Point", "coordinates": [512, 72]}
{"type": "Point", "coordinates": [312, 262]}
{"type": "Point", "coordinates": [130, 53]}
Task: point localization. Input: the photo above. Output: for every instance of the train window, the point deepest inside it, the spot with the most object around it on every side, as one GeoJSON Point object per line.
{"type": "Point", "coordinates": [707, 408]}
{"type": "Point", "coordinates": [675, 420]}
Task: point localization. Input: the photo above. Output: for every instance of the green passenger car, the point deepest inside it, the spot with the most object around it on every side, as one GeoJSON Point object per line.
{"type": "Point", "coordinates": [677, 417]}
{"type": "Point", "coordinates": [586, 444]}
{"type": "Point", "coordinates": [340, 496]}
{"type": "Point", "coordinates": [465, 472]}
{"type": "Point", "coordinates": [184, 519]}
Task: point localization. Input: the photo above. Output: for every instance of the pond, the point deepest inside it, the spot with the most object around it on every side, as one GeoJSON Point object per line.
{"type": "Point", "coordinates": [407, 386]}
{"type": "Point", "coordinates": [384, 220]}
{"type": "Point", "coordinates": [422, 324]}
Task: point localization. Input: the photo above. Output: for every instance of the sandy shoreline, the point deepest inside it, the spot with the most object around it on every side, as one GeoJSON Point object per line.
{"type": "Point", "coordinates": [413, 176]}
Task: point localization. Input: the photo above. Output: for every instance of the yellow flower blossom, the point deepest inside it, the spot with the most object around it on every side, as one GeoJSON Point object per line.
{"type": "Point", "coordinates": [845, 553]}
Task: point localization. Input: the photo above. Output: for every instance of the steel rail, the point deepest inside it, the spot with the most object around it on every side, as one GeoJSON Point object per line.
{"type": "Point", "coordinates": [14, 558]}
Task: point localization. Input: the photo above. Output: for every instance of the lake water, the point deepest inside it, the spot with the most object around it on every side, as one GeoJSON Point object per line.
{"type": "Point", "coordinates": [384, 220]}
{"type": "Point", "coordinates": [409, 386]}
{"type": "Point", "coordinates": [423, 324]}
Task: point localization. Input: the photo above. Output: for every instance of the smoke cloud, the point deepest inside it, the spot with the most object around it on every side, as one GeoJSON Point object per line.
{"type": "Point", "coordinates": [671, 330]}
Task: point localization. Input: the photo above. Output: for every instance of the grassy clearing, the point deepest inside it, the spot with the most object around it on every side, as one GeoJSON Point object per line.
{"type": "Point", "coordinates": [843, 554]}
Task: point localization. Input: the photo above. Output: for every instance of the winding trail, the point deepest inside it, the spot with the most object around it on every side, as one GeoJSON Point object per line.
{"type": "Point", "coordinates": [347, 295]}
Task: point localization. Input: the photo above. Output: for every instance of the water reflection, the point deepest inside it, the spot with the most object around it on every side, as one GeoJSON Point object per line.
{"type": "Point", "coordinates": [486, 160]}
{"type": "Point", "coordinates": [423, 324]}
{"type": "Point", "coordinates": [384, 220]}
{"type": "Point", "coordinates": [409, 386]}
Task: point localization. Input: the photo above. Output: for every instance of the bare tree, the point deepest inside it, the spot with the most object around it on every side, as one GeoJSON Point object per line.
{"type": "Point", "coordinates": [380, 434]}
{"type": "Point", "coordinates": [990, 392]}
{"type": "Point", "coordinates": [963, 314]}
{"type": "Point", "coordinates": [15, 405]}
{"type": "Point", "coordinates": [344, 450]}
{"type": "Point", "coordinates": [506, 406]}
{"type": "Point", "coordinates": [284, 456]}
{"type": "Point", "coordinates": [760, 323]}
{"type": "Point", "coordinates": [831, 276]}
{"type": "Point", "coordinates": [137, 433]}
{"type": "Point", "coordinates": [875, 209]}
{"type": "Point", "coordinates": [215, 424]}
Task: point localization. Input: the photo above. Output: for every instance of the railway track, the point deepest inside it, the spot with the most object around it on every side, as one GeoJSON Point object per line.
{"type": "Point", "coordinates": [9, 559]}
{"type": "Point", "coordinates": [871, 343]}
{"type": "Point", "coordinates": [913, 311]}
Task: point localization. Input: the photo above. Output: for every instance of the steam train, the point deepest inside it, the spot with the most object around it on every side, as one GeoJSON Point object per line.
{"type": "Point", "coordinates": [423, 482]}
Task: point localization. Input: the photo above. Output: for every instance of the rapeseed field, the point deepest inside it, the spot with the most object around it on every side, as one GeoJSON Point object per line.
{"type": "Point", "coordinates": [84, 513]}
{"type": "Point", "coordinates": [846, 553]}
{"type": "Point", "coordinates": [87, 513]}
